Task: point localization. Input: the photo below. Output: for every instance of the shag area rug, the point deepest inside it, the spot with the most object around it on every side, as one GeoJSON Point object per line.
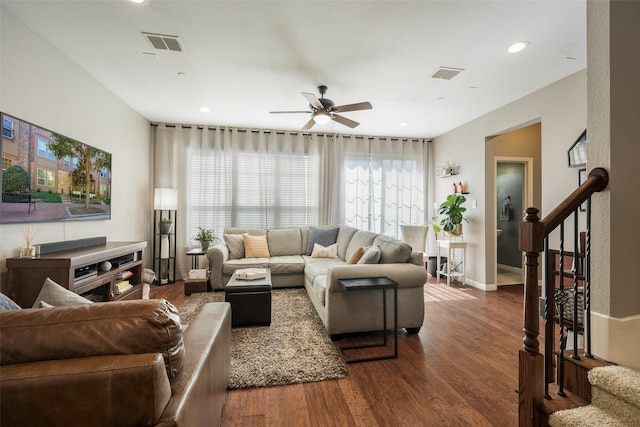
{"type": "Point", "coordinates": [296, 348]}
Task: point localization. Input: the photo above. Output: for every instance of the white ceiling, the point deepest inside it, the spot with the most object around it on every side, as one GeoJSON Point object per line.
{"type": "Point", "coordinates": [243, 59]}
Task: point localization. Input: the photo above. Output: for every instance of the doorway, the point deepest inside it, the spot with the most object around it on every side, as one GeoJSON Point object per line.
{"type": "Point", "coordinates": [510, 198]}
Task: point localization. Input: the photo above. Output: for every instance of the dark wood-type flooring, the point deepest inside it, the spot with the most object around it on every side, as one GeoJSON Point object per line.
{"type": "Point", "coordinates": [460, 370]}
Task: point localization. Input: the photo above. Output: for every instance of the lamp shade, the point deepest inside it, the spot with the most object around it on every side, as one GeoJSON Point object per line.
{"type": "Point", "coordinates": [165, 199]}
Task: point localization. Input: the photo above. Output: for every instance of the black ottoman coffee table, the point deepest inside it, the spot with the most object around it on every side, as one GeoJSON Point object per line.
{"type": "Point", "coordinates": [250, 300]}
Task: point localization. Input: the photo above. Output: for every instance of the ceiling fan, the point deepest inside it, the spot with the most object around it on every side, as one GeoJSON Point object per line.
{"type": "Point", "coordinates": [323, 110]}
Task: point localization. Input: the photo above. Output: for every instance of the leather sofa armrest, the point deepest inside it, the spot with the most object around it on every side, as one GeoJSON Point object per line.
{"type": "Point", "coordinates": [122, 390]}
{"type": "Point", "coordinates": [406, 274]}
{"type": "Point", "coordinates": [200, 390]}
{"type": "Point", "coordinates": [217, 255]}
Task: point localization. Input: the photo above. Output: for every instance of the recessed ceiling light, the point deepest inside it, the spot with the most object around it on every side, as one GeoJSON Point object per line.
{"type": "Point", "coordinates": [181, 74]}
{"type": "Point", "coordinates": [570, 58]}
{"type": "Point", "coordinates": [204, 109]}
{"type": "Point", "coordinates": [150, 54]}
{"type": "Point", "coordinates": [403, 124]}
{"type": "Point", "coordinates": [473, 87]}
{"type": "Point", "coordinates": [517, 47]}
{"type": "Point", "coordinates": [137, 1]}
{"type": "Point", "coordinates": [440, 98]}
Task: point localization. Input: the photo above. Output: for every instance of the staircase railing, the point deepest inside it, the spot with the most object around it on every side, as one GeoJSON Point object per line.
{"type": "Point", "coordinates": [536, 370]}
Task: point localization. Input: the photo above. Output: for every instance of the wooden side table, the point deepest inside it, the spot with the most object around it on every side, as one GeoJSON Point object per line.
{"type": "Point", "coordinates": [451, 247]}
{"type": "Point", "coordinates": [372, 283]}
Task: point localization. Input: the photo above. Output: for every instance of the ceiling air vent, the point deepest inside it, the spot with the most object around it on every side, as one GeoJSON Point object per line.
{"type": "Point", "coordinates": [163, 41]}
{"type": "Point", "coordinates": [446, 73]}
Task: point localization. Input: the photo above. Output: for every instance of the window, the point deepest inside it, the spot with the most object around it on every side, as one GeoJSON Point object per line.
{"type": "Point", "coordinates": [66, 160]}
{"type": "Point", "coordinates": [382, 191]}
{"type": "Point", "coordinates": [44, 150]}
{"type": "Point", "coordinates": [6, 163]}
{"type": "Point", "coordinates": [46, 178]}
{"type": "Point", "coordinates": [7, 128]}
{"type": "Point", "coordinates": [104, 172]}
{"type": "Point", "coordinates": [74, 163]}
{"type": "Point", "coordinates": [252, 189]}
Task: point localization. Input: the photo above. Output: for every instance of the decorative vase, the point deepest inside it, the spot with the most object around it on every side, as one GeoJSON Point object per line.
{"type": "Point", "coordinates": [28, 252]}
{"type": "Point", "coordinates": [164, 246]}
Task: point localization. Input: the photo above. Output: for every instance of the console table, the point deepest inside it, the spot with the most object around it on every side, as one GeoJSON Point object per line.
{"type": "Point", "coordinates": [451, 247]}
{"type": "Point", "coordinates": [78, 270]}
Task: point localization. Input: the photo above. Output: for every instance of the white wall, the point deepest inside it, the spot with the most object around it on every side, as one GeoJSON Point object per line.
{"type": "Point", "coordinates": [562, 110]}
{"type": "Point", "coordinates": [41, 85]}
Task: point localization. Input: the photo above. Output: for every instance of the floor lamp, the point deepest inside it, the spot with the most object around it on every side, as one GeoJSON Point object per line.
{"type": "Point", "coordinates": [165, 205]}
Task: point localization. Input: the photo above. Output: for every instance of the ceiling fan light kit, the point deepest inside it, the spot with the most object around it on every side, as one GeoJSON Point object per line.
{"type": "Point", "coordinates": [323, 110]}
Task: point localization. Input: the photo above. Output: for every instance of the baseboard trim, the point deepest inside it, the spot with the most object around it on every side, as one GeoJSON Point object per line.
{"type": "Point", "coordinates": [481, 286]}
{"type": "Point", "coordinates": [616, 339]}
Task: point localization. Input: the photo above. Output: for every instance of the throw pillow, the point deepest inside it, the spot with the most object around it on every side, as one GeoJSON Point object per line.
{"type": "Point", "coordinates": [358, 254]}
{"type": "Point", "coordinates": [56, 295]}
{"type": "Point", "coordinates": [325, 236]}
{"type": "Point", "coordinates": [235, 244]}
{"type": "Point", "coordinates": [255, 246]}
{"type": "Point", "coordinates": [320, 251]}
{"type": "Point", "coordinates": [7, 303]}
{"type": "Point", "coordinates": [371, 256]}
{"type": "Point", "coordinates": [44, 305]}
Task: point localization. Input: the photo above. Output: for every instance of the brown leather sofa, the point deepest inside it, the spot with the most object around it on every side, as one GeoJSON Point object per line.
{"type": "Point", "coordinates": [114, 364]}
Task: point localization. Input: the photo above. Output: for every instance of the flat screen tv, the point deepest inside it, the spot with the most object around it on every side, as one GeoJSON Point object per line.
{"type": "Point", "coordinates": [50, 177]}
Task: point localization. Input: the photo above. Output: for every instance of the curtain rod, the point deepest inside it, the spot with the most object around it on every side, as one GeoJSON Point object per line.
{"type": "Point", "coordinates": [281, 132]}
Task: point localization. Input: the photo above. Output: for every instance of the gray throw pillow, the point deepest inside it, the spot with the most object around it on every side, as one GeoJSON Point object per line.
{"type": "Point", "coordinates": [371, 256]}
{"type": "Point", "coordinates": [324, 236]}
{"type": "Point", "coordinates": [55, 295]}
{"type": "Point", "coordinates": [235, 244]}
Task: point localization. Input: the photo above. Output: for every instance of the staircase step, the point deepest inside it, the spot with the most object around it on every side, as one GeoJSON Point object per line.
{"type": "Point", "coordinates": [588, 416]}
{"type": "Point", "coordinates": [576, 371]}
{"type": "Point", "coordinates": [619, 381]}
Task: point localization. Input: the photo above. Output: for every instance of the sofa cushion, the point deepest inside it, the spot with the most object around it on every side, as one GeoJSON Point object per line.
{"type": "Point", "coordinates": [285, 241]}
{"type": "Point", "coordinates": [289, 264]}
{"type": "Point", "coordinates": [357, 255]}
{"type": "Point", "coordinates": [392, 250]}
{"type": "Point", "coordinates": [371, 256]}
{"type": "Point", "coordinates": [344, 237]}
{"type": "Point", "coordinates": [235, 244]}
{"type": "Point", "coordinates": [325, 236]}
{"type": "Point", "coordinates": [320, 251]}
{"type": "Point", "coordinates": [119, 327]}
{"type": "Point", "coordinates": [360, 238]}
{"type": "Point", "coordinates": [54, 294]}
{"type": "Point", "coordinates": [255, 246]}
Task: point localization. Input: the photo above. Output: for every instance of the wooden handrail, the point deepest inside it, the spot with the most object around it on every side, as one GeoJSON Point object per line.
{"type": "Point", "coordinates": [531, 241]}
{"type": "Point", "coordinates": [597, 180]}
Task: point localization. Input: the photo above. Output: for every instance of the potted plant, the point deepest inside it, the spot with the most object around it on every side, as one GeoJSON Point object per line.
{"type": "Point", "coordinates": [164, 277]}
{"type": "Point", "coordinates": [205, 236]}
{"type": "Point", "coordinates": [453, 211]}
{"type": "Point", "coordinates": [166, 224]}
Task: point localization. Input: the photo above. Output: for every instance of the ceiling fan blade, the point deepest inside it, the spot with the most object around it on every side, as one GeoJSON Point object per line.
{"type": "Point", "coordinates": [289, 112]}
{"type": "Point", "coordinates": [343, 120]}
{"type": "Point", "coordinates": [309, 124]}
{"type": "Point", "coordinates": [353, 107]}
{"type": "Point", "coordinates": [313, 100]}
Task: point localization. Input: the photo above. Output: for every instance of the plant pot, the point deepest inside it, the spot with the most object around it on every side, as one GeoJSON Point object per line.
{"type": "Point", "coordinates": [456, 232]}
{"type": "Point", "coordinates": [204, 244]}
{"type": "Point", "coordinates": [165, 227]}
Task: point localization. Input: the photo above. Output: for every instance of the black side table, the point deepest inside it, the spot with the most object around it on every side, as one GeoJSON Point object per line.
{"type": "Point", "coordinates": [372, 283]}
{"type": "Point", "coordinates": [196, 253]}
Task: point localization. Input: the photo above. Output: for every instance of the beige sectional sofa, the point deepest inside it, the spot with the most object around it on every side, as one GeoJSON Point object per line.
{"type": "Point", "coordinates": [291, 262]}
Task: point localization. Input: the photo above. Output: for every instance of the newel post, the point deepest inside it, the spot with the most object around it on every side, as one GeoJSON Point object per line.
{"type": "Point", "coordinates": [531, 361]}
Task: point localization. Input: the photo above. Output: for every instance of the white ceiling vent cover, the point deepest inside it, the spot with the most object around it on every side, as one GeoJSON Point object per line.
{"type": "Point", "coordinates": [163, 41]}
{"type": "Point", "coordinates": [446, 73]}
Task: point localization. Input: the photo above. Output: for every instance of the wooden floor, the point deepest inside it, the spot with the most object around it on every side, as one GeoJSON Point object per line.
{"type": "Point", "coordinates": [460, 370]}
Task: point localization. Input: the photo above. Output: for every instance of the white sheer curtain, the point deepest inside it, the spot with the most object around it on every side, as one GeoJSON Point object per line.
{"type": "Point", "coordinates": [258, 178]}
{"type": "Point", "coordinates": [382, 183]}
